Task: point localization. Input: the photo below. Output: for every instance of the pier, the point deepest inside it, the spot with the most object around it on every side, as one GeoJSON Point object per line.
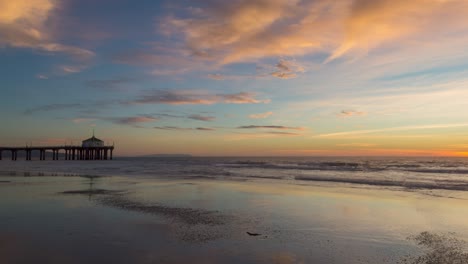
{"type": "Point", "coordinates": [70, 152]}
{"type": "Point", "coordinates": [90, 149]}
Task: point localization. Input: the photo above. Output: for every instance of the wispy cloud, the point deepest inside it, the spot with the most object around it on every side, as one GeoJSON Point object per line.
{"type": "Point", "coordinates": [261, 135]}
{"type": "Point", "coordinates": [392, 129]}
{"type": "Point", "coordinates": [205, 129]}
{"type": "Point", "coordinates": [133, 120]}
{"type": "Point", "coordinates": [270, 127]}
{"type": "Point", "coordinates": [242, 98]}
{"type": "Point", "coordinates": [109, 84]}
{"type": "Point", "coordinates": [287, 69]}
{"type": "Point", "coordinates": [398, 21]}
{"type": "Point", "coordinates": [80, 120]}
{"type": "Point", "coordinates": [217, 76]}
{"type": "Point", "coordinates": [171, 128]}
{"type": "Point", "coordinates": [241, 31]}
{"type": "Point", "coordinates": [192, 97]}
{"type": "Point", "coordinates": [53, 107]}
{"type": "Point", "coordinates": [282, 133]}
{"type": "Point", "coordinates": [42, 76]}
{"type": "Point", "coordinates": [261, 115]}
{"type": "Point", "coordinates": [234, 77]}
{"type": "Point", "coordinates": [164, 61]}
{"type": "Point", "coordinates": [23, 25]}
{"type": "Point", "coordinates": [72, 68]}
{"type": "Point", "coordinates": [176, 128]}
{"type": "Point", "coordinates": [350, 113]}
{"type": "Point", "coordinates": [202, 118]}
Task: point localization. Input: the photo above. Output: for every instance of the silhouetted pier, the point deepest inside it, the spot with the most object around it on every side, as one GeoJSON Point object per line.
{"type": "Point", "coordinates": [70, 152]}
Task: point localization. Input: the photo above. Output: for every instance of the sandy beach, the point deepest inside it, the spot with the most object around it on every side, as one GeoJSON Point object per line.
{"type": "Point", "coordinates": [73, 219]}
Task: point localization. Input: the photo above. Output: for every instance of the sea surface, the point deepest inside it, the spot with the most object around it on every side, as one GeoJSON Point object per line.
{"type": "Point", "coordinates": [410, 173]}
{"type": "Point", "coordinates": [235, 210]}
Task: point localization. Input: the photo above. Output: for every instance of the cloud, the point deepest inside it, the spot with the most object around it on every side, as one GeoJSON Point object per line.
{"type": "Point", "coordinates": [23, 24]}
{"type": "Point", "coordinates": [193, 97]}
{"type": "Point", "coordinates": [393, 129]}
{"type": "Point", "coordinates": [241, 98]}
{"type": "Point", "coordinates": [287, 69]}
{"type": "Point", "coordinates": [72, 68]}
{"type": "Point", "coordinates": [234, 27]}
{"type": "Point", "coordinates": [282, 133]}
{"type": "Point", "coordinates": [235, 77]}
{"type": "Point", "coordinates": [261, 135]}
{"type": "Point", "coordinates": [350, 113]}
{"type": "Point", "coordinates": [53, 107]}
{"type": "Point", "coordinates": [202, 118]}
{"type": "Point", "coordinates": [372, 23]}
{"type": "Point", "coordinates": [261, 115]}
{"type": "Point", "coordinates": [165, 61]}
{"type": "Point", "coordinates": [184, 128]}
{"type": "Point", "coordinates": [172, 128]}
{"type": "Point", "coordinates": [133, 120]}
{"type": "Point", "coordinates": [108, 84]}
{"type": "Point", "coordinates": [270, 127]}
{"type": "Point", "coordinates": [80, 120]}
{"type": "Point", "coordinates": [205, 129]}
{"type": "Point", "coordinates": [42, 77]}
{"type": "Point", "coordinates": [217, 76]}
{"type": "Point", "coordinates": [243, 31]}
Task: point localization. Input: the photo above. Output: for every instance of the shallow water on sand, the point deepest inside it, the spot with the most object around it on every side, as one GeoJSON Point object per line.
{"type": "Point", "coordinates": [45, 219]}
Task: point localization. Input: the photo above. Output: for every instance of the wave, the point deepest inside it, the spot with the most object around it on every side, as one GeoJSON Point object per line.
{"type": "Point", "coordinates": [365, 166]}
{"type": "Point", "coordinates": [440, 185]}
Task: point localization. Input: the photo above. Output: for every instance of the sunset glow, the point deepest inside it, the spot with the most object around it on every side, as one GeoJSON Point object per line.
{"type": "Point", "coordinates": [237, 78]}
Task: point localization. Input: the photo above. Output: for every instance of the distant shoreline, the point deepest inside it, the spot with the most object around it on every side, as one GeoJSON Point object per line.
{"type": "Point", "coordinates": [163, 156]}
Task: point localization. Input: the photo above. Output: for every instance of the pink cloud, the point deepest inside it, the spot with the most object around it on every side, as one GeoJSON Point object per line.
{"type": "Point", "coordinates": [261, 115]}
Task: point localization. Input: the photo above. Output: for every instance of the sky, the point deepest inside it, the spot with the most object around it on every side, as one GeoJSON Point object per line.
{"type": "Point", "coordinates": [238, 77]}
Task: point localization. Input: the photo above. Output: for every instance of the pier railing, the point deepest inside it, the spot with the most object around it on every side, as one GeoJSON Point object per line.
{"type": "Point", "coordinates": [69, 152]}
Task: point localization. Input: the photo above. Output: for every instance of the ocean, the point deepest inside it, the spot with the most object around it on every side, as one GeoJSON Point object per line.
{"type": "Point", "coordinates": [349, 210]}
{"type": "Point", "coordinates": [434, 173]}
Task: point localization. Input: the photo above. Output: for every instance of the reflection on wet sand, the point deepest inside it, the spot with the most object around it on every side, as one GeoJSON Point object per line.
{"type": "Point", "coordinates": [190, 221]}
{"type": "Point", "coordinates": [203, 221]}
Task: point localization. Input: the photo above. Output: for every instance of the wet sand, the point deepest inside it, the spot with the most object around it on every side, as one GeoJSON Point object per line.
{"type": "Point", "coordinates": [133, 220]}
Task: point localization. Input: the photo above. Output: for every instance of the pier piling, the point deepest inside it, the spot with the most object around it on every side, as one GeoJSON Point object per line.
{"type": "Point", "coordinates": [70, 152]}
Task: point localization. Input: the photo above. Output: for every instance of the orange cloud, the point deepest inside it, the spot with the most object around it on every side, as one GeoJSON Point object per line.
{"type": "Point", "coordinates": [23, 25]}
{"type": "Point", "coordinates": [245, 30]}
{"type": "Point", "coordinates": [375, 22]}
{"type": "Point", "coordinates": [248, 30]}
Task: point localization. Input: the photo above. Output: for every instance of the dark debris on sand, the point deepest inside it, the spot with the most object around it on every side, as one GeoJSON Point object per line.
{"type": "Point", "coordinates": [192, 225]}
{"type": "Point", "coordinates": [439, 249]}
{"type": "Point", "coordinates": [186, 215]}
